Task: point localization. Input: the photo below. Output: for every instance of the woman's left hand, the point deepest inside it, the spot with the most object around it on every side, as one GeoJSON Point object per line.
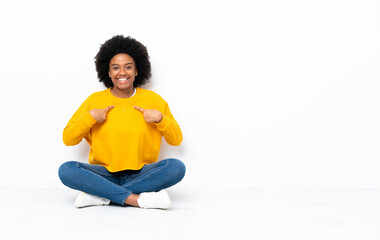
{"type": "Point", "coordinates": [150, 115]}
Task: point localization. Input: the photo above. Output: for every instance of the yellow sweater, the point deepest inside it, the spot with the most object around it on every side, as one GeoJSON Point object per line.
{"type": "Point", "coordinates": [124, 141]}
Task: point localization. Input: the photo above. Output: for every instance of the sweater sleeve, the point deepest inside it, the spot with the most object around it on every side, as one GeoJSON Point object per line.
{"type": "Point", "coordinates": [79, 125]}
{"type": "Point", "coordinates": [169, 128]}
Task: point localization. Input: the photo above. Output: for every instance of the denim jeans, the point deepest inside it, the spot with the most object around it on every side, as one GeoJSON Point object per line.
{"type": "Point", "coordinates": [117, 186]}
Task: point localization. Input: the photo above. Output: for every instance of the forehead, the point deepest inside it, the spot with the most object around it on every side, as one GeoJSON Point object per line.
{"type": "Point", "coordinates": [121, 58]}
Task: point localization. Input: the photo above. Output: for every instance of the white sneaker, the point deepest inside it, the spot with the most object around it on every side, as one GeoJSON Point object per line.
{"type": "Point", "coordinates": [160, 200]}
{"type": "Point", "coordinates": [85, 200]}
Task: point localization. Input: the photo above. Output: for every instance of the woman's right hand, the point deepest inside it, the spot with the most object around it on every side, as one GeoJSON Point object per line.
{"type": "Point", "coordinates": [100, 115]}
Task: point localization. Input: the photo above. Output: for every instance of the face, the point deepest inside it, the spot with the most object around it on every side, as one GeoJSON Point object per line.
{"type": "Point", "coordinates": [122, 71]}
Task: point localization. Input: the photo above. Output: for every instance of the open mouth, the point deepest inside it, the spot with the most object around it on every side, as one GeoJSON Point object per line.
{"type": "Point", "coordinates": [122, 80]}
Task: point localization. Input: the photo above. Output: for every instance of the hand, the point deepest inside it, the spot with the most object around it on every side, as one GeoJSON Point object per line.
{"type": "Point", "coordinates": [150, 115]}
{"type": "Point", "coordinates": [100, 115]}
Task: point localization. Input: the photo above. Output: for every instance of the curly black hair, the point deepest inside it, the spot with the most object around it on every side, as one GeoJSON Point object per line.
{"type": "Point", "coordinates": [120, 44]}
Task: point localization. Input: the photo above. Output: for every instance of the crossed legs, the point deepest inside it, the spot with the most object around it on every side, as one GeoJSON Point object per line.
{"type": "Point", "coordinates": [123, 187]}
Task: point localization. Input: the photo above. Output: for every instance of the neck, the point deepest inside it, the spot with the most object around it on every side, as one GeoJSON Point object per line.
{"type": "Point", "coordinates": [122, 93]}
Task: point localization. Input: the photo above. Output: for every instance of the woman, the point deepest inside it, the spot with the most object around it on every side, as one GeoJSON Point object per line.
{"type": "Point", "coordinates": [123, 125]}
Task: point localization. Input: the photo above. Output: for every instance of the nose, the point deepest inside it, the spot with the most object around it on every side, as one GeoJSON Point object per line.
{"type": "Point", "coordinates": [122, 71]}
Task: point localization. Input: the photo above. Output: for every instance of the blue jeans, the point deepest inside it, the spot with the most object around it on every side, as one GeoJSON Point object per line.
{"type": "Point", "coordinates": [117, 186]}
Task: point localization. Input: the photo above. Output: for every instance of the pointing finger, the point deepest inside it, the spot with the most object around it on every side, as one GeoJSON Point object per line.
{"type": "Point", "coordinates": [139, 108]}
{"type": "Point", "coordinates": [109, 108]}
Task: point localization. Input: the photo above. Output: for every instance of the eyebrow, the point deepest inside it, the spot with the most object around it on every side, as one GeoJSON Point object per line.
{"type": "Point", "coordinates": [118, 64]}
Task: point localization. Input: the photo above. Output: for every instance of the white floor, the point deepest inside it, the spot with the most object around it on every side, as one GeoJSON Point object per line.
{"type": "Point", "coordinates": [198, 212]}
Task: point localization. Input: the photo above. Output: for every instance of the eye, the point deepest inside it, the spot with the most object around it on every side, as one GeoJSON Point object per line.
{"type": "Point", "coordinates": [128, 67]}
{"type": "Point", "coordinates": [115, 68]}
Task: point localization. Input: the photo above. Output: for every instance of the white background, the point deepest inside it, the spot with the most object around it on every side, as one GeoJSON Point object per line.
{"type": "Point", "coordinates": [267, 93]}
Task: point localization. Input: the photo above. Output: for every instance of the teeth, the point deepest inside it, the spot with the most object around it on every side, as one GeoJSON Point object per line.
{"type": "Point", "coordinates": [122, 79]}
